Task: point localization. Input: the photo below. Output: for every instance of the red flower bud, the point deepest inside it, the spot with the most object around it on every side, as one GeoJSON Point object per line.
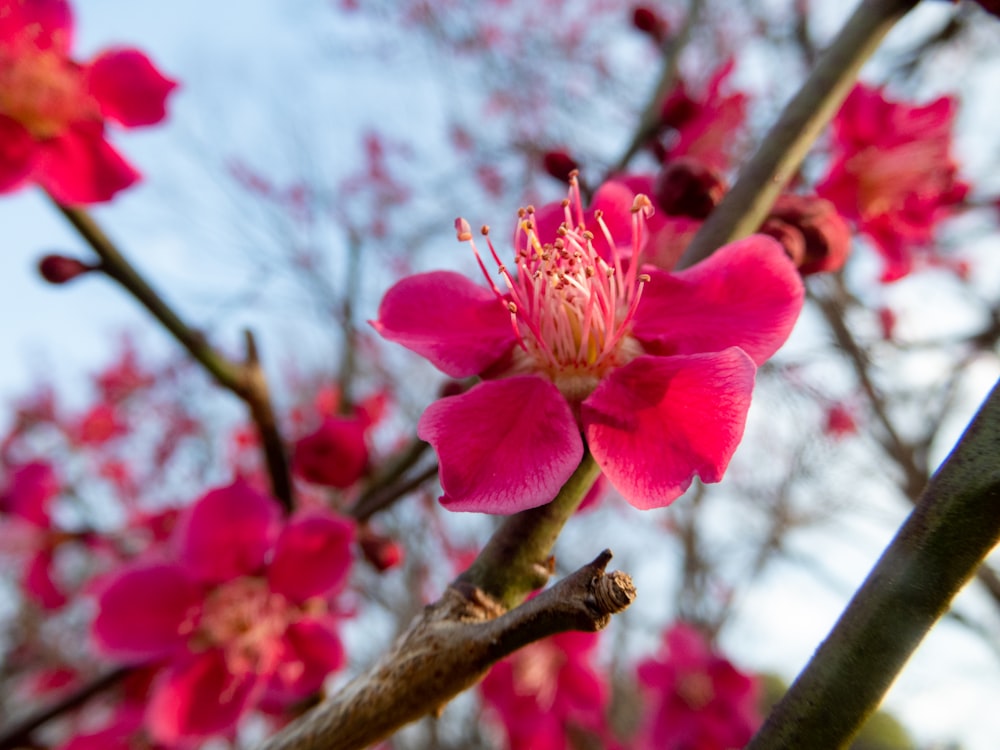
{"type": "Point", "coordinates": [686, 187]}
{"type": "Point", "coordinates": [559, 164]}
{"type": "Point", "coordinates": [825, 233]}
{"type": "Point", "coordinates": [336, 455]}
{"type": "Point", "coordinates": [59, 269]}
{"type": "Point", "coordinates": [678, 108]}
{"type": "Point", "coordinates": [648, 21]}
{"type": "Point", "coordinates": [381, 551]}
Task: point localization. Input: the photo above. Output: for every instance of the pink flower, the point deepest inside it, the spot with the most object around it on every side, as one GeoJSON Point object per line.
{"type": "Point", "coordinates": [53, 109]}
{"type": "Point", "coordinates": [695, 699]}
{"type": "Point", "coordinates": [893, 173]}
{"type": "Point", "coordinates": [335, 455]}
{"type": "Point", "coordinates": [704, 129]}
{"type": "Point", "coordinates": [241, 617]}
{"type": "Point", "coordinates": [546, 690]}
{"type": "Point", "coordinates": [655, 369]}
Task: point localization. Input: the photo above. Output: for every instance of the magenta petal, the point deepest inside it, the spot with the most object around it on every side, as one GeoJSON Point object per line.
{"type": "Point", "coordinates": [746, 294]}
{"type": "Point", "coordinates": [312, 557]}
{"type": "Point", "coordinates": [504, 446]}
{"type": "Point", "coordinates": [38, 583]}
{"type": "Point", "coordinates": [128, 87]}
{"type": "Point", "coordinates": [81, 167]}
{"type": "Point", "coordinates": [228, 532]}
{"type": "Point", "coordinates": [311, 651]}
{"type": "Point", "coordinates": [459, 326]}
{"type": "Point", "coordinates": [44, 23]}
{"type": "Point", "coordinates": [198, 698]}
{"type": "Point", "coordinates": [146, 612]}
{"type": "Point", "coordinates": [18, 154]}
{"type": "Point", "coordinates": [658, 421]}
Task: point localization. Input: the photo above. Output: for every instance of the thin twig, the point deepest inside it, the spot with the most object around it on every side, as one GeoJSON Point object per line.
{"type": "Point", "coordinates": [246, 381]}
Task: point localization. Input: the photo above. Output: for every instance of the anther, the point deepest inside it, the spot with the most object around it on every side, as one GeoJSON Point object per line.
{"type": "Point", "coordinates": [463, 230]}
{"type": "Point", "coordinates": [485, 230]}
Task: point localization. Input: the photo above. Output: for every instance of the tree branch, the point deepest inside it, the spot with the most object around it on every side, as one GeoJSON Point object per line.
{"type": "Point", "coordinates": [448, 649]}
{"type": "Point", "coordinates": [784, 147]}
{"type": "Point", "coordinates": [954, 526]}
{"type": "Point", "coordinates": [246, 381]}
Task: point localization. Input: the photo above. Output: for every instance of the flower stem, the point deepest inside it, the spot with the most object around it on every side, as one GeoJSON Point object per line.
{"type": "Point", "coordinates": [954, 526]}
{"type": "Point", "coordinates": [517, 559]}
{"type": "Point", "coordinates": [763, 177]}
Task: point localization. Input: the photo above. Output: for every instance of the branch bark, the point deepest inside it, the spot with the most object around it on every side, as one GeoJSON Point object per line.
{"type": "Point", "coordinates": [953, 528]}
{"type": "Point", "coordinates": [784, 147]}
{"type": "Point", "coordinates": [448, 649]}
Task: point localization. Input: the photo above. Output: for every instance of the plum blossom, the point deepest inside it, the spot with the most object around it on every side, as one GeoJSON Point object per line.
{"type": "Point", "coordinates": [892, 173]}
{"type": "Point", "coordinates": [655, 369]}
{"type": "Point", "coordinates": [694, 698]}
{"type": "Point", "coordinates": [53, 109]}
{"type": "Point", "coordinates": [241, 617]}
{"type": "Point", "coordinates": [546, 691]}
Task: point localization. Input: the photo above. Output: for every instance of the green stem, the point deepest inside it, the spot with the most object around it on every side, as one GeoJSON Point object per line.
{"type": "Point", "coordinates": [784, 147]}
{"type": "Point", "coordinates": [953, 528]}
{"type": "Point", "coordinates": [517, 559]}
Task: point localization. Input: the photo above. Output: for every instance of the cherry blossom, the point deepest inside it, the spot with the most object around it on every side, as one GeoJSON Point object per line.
{"type": "Point", "coordinates": [53, 109]}
{"type": "Point", "coordinates": [242, 616]}
{"type": "Point", "coordinates": [654, 368]}
{"type": "Point", "coordinates": [695, 699]}
{"type": "Point", "coordinates": [892, 173]}
{"type": "Point", "coordinates": [547, 690]}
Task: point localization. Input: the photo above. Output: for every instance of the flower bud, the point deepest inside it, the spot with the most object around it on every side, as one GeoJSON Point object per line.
{"type": "Point", "coordinates": [335, 455]}
{"type": "Point", "coordinates": [559, 164]}
{"type": "Point", "coordinates": [59, 269]}
{"type": "Point", "coordinates": [826, 236]}
{"type": "Point", "coordinates": [686, 187]}
{"type": "Point", "coordinates": [381, 551]}
{"type": "Point", "coordinates": [648, 21]}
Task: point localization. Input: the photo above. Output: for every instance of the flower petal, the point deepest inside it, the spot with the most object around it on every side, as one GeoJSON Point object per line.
{"type": "Point", "coordinates": [459, 326]}
{"type": "Point", "coordinates": [312, 557]}
{"type": "Point", "coordinates": [504, 446]}
{"type": "Point", "coordinates": [146, 611]}
{"type": "Point", "coordinates": [312, 650]}
{"type": "Point", "coordinates": [228, 532]}
{"type": "Point", "coordinates": [198, 698]}
{"type": "Point", "coordinates": [658, 421]}
{"type": "Point", "coordinates": [18, 154]}
{"type": "Point", "coordinates": [46, 24]}
{"type": "Point", "coordinates": [79, 166]}
{"type": "Point", "coordinates": [746, 294]}
{"type": "Point", "coordinates": [128, 87]}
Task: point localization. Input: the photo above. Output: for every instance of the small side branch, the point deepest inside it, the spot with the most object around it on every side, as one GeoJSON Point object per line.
{"type": "Point", "coordinates": [245, 380]}
{"type": "Point", "coordinates": [448, 649]}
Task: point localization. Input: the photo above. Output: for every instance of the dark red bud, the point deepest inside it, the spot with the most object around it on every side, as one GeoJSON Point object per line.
{"type": "Point", "coordinates": [381, 551]}
{"type": "Point", "coordinates": [790, 238]}
{"type": "Point", "coordinates": [678, 108]}
{"type": "Point", "coordinates": [559, 164]}
{"type": "Point", "coordinates": [59, 269]}
{"type": "Point", "coordinates": [686, 187]}
{"type": "Point", "coordinates": [451, 388]}
{"type": "Point", "coordinates": [648, 21]}
{"type": "Point", "coordinates": [826, 234]}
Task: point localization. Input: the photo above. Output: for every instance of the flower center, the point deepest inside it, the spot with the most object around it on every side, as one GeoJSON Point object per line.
{"type": "Point", "coordinates": [696, 690]}
{"type": "Point", "coordinates": [247, 620]}
{"type": "Point", "coordinates": [43, 91]}
{"type": "Point", "coordinates": [571, 309]}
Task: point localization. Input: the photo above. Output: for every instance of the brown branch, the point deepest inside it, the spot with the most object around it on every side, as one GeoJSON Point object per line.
{"type": "Point", "coordinates": [246, 381]}
{"type": "Point", "coordinates": [784, 147]}
{"type": "Point", "coordinates": [449, 648]}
